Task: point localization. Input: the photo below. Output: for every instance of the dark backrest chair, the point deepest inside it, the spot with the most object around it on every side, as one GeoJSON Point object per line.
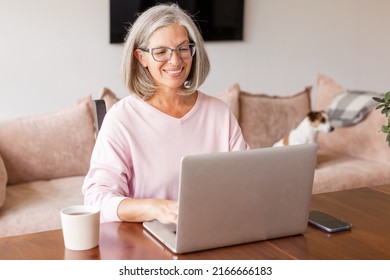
{"type": "Point", "coordinates": [100, 110]}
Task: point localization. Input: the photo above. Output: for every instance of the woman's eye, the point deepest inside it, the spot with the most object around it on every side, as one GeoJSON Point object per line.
{"type": "Point", "coordinates": [160, 51]}
{"type": "Point", "coordinates": [184, 49]}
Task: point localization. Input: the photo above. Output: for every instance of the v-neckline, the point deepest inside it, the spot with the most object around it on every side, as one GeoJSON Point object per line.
{"type": "Point", "coordinates": [184, 117]}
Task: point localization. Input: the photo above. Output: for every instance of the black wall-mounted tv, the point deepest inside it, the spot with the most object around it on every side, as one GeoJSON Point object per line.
{"type": "Point", "coordinates": [218, 20]}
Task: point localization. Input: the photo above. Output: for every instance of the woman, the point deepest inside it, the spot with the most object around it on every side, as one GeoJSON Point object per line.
{"type": "Point", "coordinates": [134, 171]}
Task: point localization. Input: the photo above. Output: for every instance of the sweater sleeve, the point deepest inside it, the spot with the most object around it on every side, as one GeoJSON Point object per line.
{"type": "Point", "coordinates": [237, 141]}
{"type": "Point", "coordinates": [106, 183]}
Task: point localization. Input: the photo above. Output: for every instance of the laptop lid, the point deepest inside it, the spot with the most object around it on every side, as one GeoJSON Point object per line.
{"type": "Point", "coordinates": [239, 197]}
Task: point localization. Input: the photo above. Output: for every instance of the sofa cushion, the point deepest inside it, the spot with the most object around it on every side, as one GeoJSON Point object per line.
{"type": "Point", "coordinates": [109, 98]}
{"type": "Point", "coordinates": [50, 145]}
{"type": "Point", "coordinates": [231, 98]}
{"type": "Point", "coordinates": [265, 119]}
{"type": "Point", "coordinates": [362, 140]}
{"type": "Point", "coordinates": [338, 171]}
{"type": "Point", "coordinates": [35, 206]}
{"type": "Point", "coordinates": [3, 182]}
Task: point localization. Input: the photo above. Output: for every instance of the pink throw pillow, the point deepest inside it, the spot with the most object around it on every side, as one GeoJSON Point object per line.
{"type": "Point", "coordinates": [231, 98]}
{"type": "Point", "coordinates": [327, 90]}
{"type": "Point", "coordinates": [3, 182]}
{"type": "Point", "coordinates": [48, 146]}
{"type": "Point", "coordinates": [109, 97]}
{"type": "Point", "coordinates": [265, 119]}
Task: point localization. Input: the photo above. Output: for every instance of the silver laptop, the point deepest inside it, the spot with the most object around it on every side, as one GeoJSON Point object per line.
{"type": "Point", "coordinates": [239, 197]}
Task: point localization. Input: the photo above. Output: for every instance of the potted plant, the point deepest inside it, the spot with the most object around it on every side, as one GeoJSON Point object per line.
{"type": "Point", "coordinates": [384, 104]}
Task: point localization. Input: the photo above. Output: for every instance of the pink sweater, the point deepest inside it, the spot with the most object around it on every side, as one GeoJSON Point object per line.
{"type": "Point", "coordinates": [139, 149]}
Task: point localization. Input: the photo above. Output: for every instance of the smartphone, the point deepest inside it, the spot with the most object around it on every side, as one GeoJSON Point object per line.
{"type": "Point", "coordinates": [327, 222]}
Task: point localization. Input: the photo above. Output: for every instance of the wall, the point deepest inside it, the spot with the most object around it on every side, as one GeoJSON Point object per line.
{"type": "Point", "coordinates": [54, 51]}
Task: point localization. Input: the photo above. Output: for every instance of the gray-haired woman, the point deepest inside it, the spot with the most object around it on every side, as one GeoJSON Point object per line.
{"type": "Point", "coordinates": [134, 171]}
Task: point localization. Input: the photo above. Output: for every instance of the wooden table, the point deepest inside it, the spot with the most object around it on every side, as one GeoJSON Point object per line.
{"type": "Point", "coordinates": [368, 209]}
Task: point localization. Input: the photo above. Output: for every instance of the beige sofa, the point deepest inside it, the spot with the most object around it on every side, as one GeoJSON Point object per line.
{"type": "Point", "coordinates": [354, 156]}
{"type": "Point", "coordinates": [349, 157]}
{"type": "Point", "coordinates": [43, 159]}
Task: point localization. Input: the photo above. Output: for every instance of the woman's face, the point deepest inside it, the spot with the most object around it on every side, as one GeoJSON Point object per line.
{"type": "Point", "coordinates": [173, 73]}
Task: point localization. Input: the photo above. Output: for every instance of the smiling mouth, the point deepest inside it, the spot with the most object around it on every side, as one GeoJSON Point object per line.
{"type": "Point", "coordinates": [174, 72]}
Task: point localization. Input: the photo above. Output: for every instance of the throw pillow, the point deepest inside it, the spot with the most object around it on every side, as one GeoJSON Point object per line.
{"type": "Point", "coordinates": [48, 146]}
{"type": "Point", "coordinates": [109, 97]}
{"type": "Point", "coordinates": [362, 140]}
{"type": "Point", "coordinates": [327, 90]}
{"type": "Point", "coordinates": [265, 119]}
{"type": "Point", "coordinates": [350, 107]}
{"type": "Point", "coordinates": [3, 182]}
{"type": "Point", "coordinates": [231, 97]}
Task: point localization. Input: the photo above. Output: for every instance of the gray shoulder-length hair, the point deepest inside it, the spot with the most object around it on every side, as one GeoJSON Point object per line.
{"type": "Point", "coordinates": [137, 78]}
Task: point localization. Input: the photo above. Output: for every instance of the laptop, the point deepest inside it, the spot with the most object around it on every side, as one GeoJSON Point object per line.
{"type": "Point", "coordinates": [231, 198]}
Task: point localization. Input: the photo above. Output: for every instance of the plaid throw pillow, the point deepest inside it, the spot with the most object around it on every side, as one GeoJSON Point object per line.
{"type": "Point", "coordinates": [350, 107]}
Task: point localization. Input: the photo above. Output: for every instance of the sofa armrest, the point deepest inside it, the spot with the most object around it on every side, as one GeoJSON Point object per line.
{"type": "Point", "coordinates": [3, 181]}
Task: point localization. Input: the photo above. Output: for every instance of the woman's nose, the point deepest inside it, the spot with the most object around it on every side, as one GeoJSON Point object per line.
{"type": "Point", "coordinates": [175, 58]}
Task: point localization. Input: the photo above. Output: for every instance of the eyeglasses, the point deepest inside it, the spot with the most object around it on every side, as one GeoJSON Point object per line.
{"type": "Point", "coordinates": [164, 54]}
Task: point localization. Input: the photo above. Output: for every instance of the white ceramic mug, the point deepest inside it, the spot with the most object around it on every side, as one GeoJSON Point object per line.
{"type": "Point", "coordinates": [80, 226]}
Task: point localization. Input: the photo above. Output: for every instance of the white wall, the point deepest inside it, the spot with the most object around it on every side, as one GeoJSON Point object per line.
{"type": "Point", "coordinates": [55, 51]}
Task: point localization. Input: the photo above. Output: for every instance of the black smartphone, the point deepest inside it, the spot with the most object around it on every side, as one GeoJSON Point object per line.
{"type": "Point", "coordinates": [327, 222]}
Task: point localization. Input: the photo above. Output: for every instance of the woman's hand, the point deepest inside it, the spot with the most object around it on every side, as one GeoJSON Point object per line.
{"type": "Point", "coordinates": [166, 211]}
{"type": "Point", "coordinates": [141, 210]}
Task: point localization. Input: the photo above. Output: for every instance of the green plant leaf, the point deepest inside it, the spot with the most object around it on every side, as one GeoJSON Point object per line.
{"type": "Point", "coordinates": [380, 106]}
{"type": "Point", "coordinates": [384, 111]}
{"type": "Point", "coordinates": [385, 129]}
{"type": "Point", "coordinates": [388, 140]}
{"type": "Point", "coordinates": [387, 96]}
{"type": "Point", "coordinates": [377, 99]}
{"type": "Point", "coordinates": [385, 106]}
